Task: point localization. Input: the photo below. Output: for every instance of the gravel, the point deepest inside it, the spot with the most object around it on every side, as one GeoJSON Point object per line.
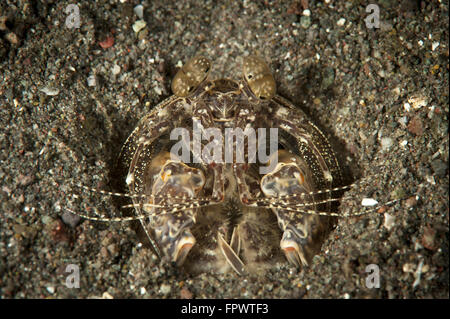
{"type": "Point", "coordinates": [70, 96]}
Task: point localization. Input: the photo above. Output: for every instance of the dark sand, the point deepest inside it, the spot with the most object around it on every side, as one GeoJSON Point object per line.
{"type": "Point", "coordinates": [354, 82]}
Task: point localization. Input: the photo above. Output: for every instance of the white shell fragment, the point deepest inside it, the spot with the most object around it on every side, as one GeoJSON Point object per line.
{"type": "Point", "coordinates": [341, 22]}
{"type": "Point", "coordinates": [418, 274]}
{"type": "Point", "coordinates": [389, 221]}
{"type": "Point", "coordinates": [369, 202]}
{"type": "Point", "coordinates": [50, 91]}
{"type": "Point", "coordinates": [139, 10]}
{"type": "Point", "coordinates": [91, 80]}
{"type": "Point", "coordinates": [386, 143]}
{"type": "Point", "coordinates": [50, 289]}
{"type": "Point", "coordinates": [139, 25]}
{"type": "Point", "coordinates": [116, 69]}
{"type": "Point", "coordinates": [417, 101]}
{"type": "Point", "coordinates": [407, 106]}
{"type": "Point", "coordinates": [434, 45]}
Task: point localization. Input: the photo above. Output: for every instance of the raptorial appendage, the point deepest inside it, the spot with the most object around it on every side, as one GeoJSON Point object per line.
{"type": "Point", "coordinates": [174, 182]}
{"type": "Point", "coordinates": [301, 232]}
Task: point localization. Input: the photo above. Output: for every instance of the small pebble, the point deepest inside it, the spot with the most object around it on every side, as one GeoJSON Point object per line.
{"type": "Point", "coordinates": [91, 80]}
{"type": "Point", "coordinates": [6, 189]}
{"type": "Point", "coordinates": [107, 43]}
{"type": "Point", "coordinates": [428, 239]}
{"type": "Point", "coordinates": [50, 289]}
{"type": "Point", "coordinates": [434, 45]}
{"type": "Point", "coordinates": [106, 295]}
{"type": "Point", "coordinates": [415, 126]}
{"type": "Point", "coordinates": [25, 180]}
{"type": "Point", "coordinates": [12, 38]}
{"type": "Point", "coordinates": [28, 209]}
{"type": "Point", "coordinates": [185, 294]}
{"type": "Point", "coordinates": [439, 167]}
{"type": "Point", "coordinates": [407, 107]}
{"type": "Point", "coordinates": [3, 23]}
{"type": "Point", "coordinates": [418, 274]}
{"type": "Point", "coordinates": [158, 90]}
{"type": "Point", "coordinates": [70, 219]}
{"type": "Point", "coordinates": [305, 22]}
{"type": "Point", "coordinates": [386, 143]}
{"type": "Point", "coordinates": [49, 91]}
{"type": "Point", "coordinates": [165, 289]}
{"type": "Point", "coordinates": [403, 121]}
{"type": "Point", "coordinates": [116, 69]}
{"type": "Point", "coordinates": [340, 22]}
{"type": "Point", "coordinates": [369, 202]}
{"type": "Point", "coordinates": [396, 91]}
{"type": "Point", "coordinates": [417, 246]}
{"type": "Point", "coordinates": [418, 101]}
{"type": "Point", "coordinates": [408, 267]}
{"type": "Point", "coordinates": [113, 249]}
{"type": "Point", "coordinates": [430, 179]}
{"type": "Point", "coordinates": [389, 221]}
{"type": "Point", "coordinates": [327, 78]}
{"type": "Point", "coordinates": [139, 25]}
{"type": "Point", "coordinates": [139, 10]}
{"type": "Point", "coordinates": [103, 253]}
{"type": "Point", "coordinates": [412, 201]}
{"type": "Point", "coordinates": [143, 34]}
{"type": "Point", "coordinates": [306, 12]}
{"type": "Point", "coordinates": [46, 220]}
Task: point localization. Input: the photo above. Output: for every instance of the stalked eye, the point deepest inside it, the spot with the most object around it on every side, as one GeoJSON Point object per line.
{"type": "Point", "coordinates": [190, 76]}
{"type": "Point", "coordinates": [259, 77]}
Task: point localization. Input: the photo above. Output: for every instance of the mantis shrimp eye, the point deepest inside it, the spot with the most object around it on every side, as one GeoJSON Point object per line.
{"type": "Point", "coordinates": [190, 76]}
{"type": "Point", "coordinates": [259, 77]}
